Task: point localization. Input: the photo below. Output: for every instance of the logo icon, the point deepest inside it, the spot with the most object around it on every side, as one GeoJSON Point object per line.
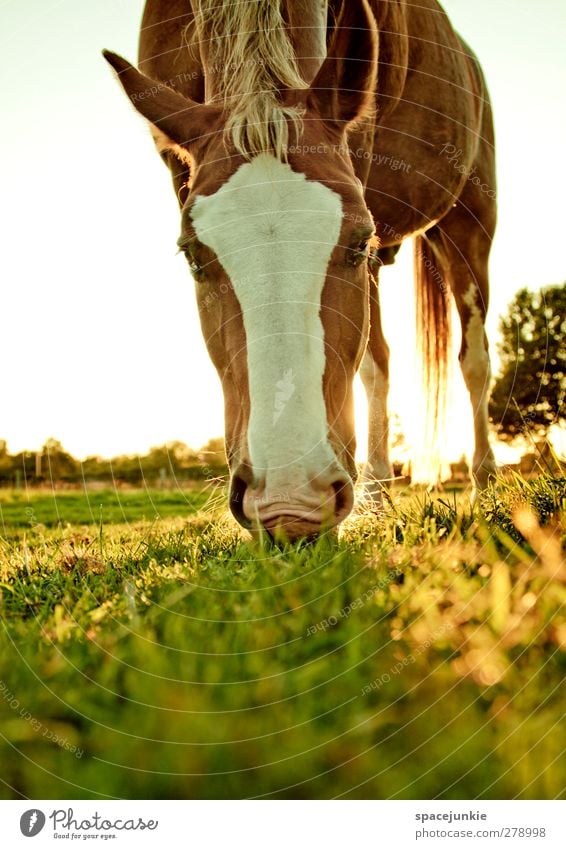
{"type": "Point", "coordinates": [32, 822]}
{"type": "Point", "coordinates": [285, 391]}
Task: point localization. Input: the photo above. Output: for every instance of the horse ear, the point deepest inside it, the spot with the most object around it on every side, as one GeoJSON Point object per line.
{"type": "Point", "coordinates": [344, 87]}
{"type": "Point", "coordinates": [181, 120]}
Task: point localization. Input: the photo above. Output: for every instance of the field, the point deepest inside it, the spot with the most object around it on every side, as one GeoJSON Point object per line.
{"type": "Point", "coordinates": [149, 650]}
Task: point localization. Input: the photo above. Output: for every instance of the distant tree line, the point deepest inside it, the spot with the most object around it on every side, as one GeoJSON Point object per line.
{"type": "Point", "coordinates": [527, 402]}
{"type": "Point", "coordinates": [530, 390]}
{"type": "Point", "coordinates": [165, 464]}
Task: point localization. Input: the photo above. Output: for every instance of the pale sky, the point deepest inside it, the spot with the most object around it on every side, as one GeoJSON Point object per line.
{"type": "Point", "coordinates": [100, 341]}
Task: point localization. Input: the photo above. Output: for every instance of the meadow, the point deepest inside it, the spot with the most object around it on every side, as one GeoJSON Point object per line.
{"type": "Point", "coordinates": [148, 649]}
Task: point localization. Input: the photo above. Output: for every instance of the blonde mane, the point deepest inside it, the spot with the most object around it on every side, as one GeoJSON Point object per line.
{"type": "Point", "coordinates": [250, 57]}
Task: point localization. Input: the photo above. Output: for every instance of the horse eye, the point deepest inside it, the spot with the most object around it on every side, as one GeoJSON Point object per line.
{"type": "Point", "coordinates": [187, 248]}
{"type": "Point", "coordinates": [359, 253]}
{"type": "Point", "coordinates": [194, 266]}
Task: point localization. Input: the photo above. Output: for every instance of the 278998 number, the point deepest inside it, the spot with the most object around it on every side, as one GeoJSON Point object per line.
{"type": "Point", "coordinates": [524, 832]}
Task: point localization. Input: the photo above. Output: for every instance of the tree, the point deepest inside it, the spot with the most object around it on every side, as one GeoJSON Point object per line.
{"type": "Point", "coordinates": [528, 395]}
{"type": "Point", "coordinates": [57, 464]}
{"type": "Point", "coordinates": [6, 463]}
{"type": "Point", "coordinates": [170, 459]}
{"type": "Point", "coordinates": [213, 453]}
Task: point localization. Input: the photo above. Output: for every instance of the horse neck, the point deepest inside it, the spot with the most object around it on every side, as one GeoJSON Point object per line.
{"type": "Point", "coordinates": [307, 20]}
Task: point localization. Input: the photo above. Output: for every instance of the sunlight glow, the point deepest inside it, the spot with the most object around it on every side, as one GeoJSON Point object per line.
{"type": "Point", "coordinates": [101, 339]}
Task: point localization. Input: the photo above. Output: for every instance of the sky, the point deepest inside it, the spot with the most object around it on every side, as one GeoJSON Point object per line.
{"type": "Point", "coordinates": [100, 342]}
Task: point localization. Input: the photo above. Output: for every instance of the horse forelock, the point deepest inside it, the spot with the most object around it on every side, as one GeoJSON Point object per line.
{"type": "Point", "coordinates": [249, 57]}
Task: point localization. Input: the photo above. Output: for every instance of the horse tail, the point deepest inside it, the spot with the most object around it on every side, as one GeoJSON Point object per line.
{"type": "Point", "coordinates": [434, 345]}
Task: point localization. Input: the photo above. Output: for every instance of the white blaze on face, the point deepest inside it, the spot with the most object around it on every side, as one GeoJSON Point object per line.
{"type": "Point", "coordinates": [273, 232]}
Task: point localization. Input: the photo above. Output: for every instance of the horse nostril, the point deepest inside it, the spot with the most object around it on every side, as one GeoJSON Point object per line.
{"type": "Point", "coordinates": [238, 488]}
{"type": "Point", "coordinates": [300, 512]}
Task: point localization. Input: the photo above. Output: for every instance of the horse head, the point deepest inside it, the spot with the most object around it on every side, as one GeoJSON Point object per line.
{"type": "Point", "coordinates": [276, 234]}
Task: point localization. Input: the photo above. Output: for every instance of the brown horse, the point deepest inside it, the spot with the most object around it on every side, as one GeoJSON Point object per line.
{"type": "Point", "coordinates": [306, 141]}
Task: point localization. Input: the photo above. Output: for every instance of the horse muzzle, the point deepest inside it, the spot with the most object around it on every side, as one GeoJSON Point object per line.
{"type": "Point", "coordinates": [292, 512]}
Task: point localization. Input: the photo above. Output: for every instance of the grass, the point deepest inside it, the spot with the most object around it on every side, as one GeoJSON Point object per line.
{"type": "Point", "coordinates": [421, 655]}
{"type": "Point", "coordinates": [19, 510]}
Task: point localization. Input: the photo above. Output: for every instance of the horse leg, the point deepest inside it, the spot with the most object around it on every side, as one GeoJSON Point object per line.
{"type": "Point", "coordinates": [461, 242]}
{"type": "Point", "coordinates": [374, 372]}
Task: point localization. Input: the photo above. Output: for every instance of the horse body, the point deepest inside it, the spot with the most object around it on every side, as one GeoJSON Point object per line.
{"type": "Point", "coordinates": [407, 165]}
{"type": "Point", "coordinates": [428, 95]}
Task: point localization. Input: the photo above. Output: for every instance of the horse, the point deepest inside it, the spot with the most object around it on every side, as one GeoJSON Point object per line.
{"type": "Point", "coordinates": [283, 123]}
